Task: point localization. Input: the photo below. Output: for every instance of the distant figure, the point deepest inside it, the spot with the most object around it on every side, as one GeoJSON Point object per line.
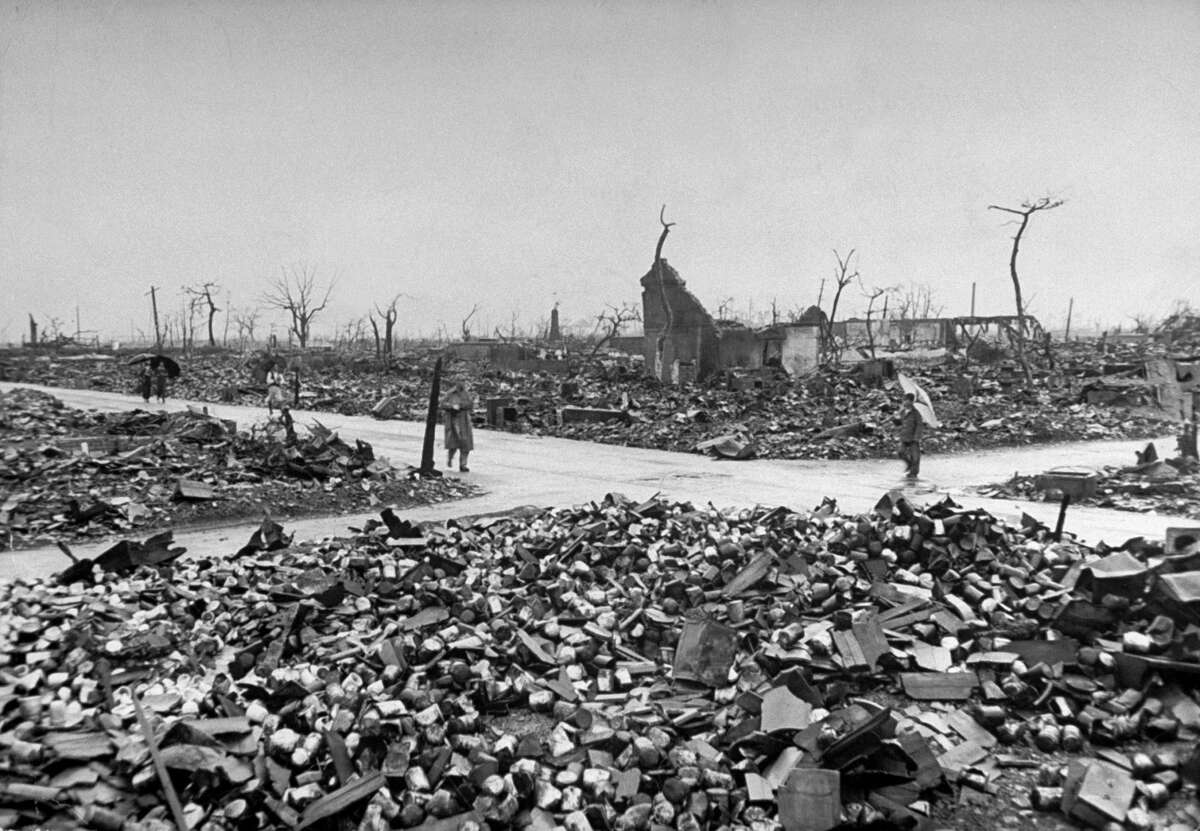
{"type": "Point", "coordinates": [911, 429]}
{"type": "Point", "coordinates": [160, 382]}
{"type": "Point", "coordinates": [456, 422]}
{"type": "Point", "coordinates": [296, 386]}
{"type": "Point", "coordinates": [144, 382]}
{"type": "Point", "coordinates": [274, 389]}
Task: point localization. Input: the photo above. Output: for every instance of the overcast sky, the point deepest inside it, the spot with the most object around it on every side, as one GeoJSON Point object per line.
{"type": "Point", "coordinates": [514, 154]}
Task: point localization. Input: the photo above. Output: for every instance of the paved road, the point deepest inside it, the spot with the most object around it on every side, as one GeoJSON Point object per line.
{"type": "Point", "coordinates": [530, 470]}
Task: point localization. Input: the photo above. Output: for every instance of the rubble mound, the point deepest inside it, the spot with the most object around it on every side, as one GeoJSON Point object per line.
{"type": "Point", "coordinates": [616, 665]}
{"type": "Point", "coordinates": [1170, 487]}
{"type": "Point", "coordinates": [72, 475]}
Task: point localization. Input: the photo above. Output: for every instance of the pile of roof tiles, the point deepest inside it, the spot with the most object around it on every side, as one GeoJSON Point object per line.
{"type": "Point", "coordinates": [616, 665]}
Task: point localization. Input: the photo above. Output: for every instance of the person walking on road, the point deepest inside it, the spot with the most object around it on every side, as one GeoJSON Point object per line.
{"type": "Point", "coordinates": [145, 382]}
{"type": "Point", "coordinates": [160, 382]}
{"type": "Point", "coordinates": [911, 429]}
{"type": "Point", "coordinates": [456, 423]}
{"type": "Point", "coordinates": [274, 389]}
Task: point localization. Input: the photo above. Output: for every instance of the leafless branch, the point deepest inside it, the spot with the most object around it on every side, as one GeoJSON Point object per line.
{"type": "Point", "coordinates": [1028, 208]}
{"type": "Point", "coordinates": [296, 292]}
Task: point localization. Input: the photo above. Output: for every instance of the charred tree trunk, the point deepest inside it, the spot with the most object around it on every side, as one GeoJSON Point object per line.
{"type": "Point", "coordinates": [1022, 358]}
{"type": "Point", "coordinates": [660, 343]}
{"type": "Point", "coordinates": [1027, 210]}
{"type": "Point", "coordinates": [375, 330]}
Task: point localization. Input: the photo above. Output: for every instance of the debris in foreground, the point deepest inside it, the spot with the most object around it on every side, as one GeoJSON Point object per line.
{"type": "Point", "coordinates": [617, 665]}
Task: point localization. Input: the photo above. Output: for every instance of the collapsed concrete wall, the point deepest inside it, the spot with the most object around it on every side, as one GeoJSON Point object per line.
{"type": "Point", "coordinates": [697, 346]}
{"type": "Point", "coordinates": [691, 350]}
{"type": "Point", "coordinates": [739, 347]}
{"type": "Point", "coordinates": [933, 332]}
{"type": "Point", "coordinates": [1174, 386]}
{"type": "Point", "coordinates": [800, 352]}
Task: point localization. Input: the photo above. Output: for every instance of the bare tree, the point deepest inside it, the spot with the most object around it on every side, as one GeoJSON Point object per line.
{"type": "Point", "coordinates": [842, 276]}
{"type": "Point", "coordinates": [466, 331]}
{"type": "Point", "coordinates": [389, 326]}
{"type": "Point", "coordinates": [873, 295]}
{"type": "Point", "coordinates": [1027, 209]}
{"type": "Point", "coordinates": [187, 320]}
{"type": "Point", "coordinates": [660, 343]}
{"type": "Point", "coordinates": [610, 322]}
{"type": "Point", "coordinates": [387, 316]}
{"type": "Point", "coordinates": [375, 333]}
{"type": "Point", "coordinates": [915, 302]}
{"type": "Point", "coordinates": [724, 307]}
{"type": "Point", "coordinates": [228, 311]}
{"type": "Point", "coordinates": [204, 292]}
{"type": "Point", "coordinates": [245, 320]}
{"type": "Point", "coordinates": [1142, 323]}
{"type": "Point", "coordinates": [296, 292]}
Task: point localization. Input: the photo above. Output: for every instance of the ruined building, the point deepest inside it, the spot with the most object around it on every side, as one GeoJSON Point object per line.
{"type": "Point", "coordinates": [697, 346]}
{"type": "Point", "coordinates": [690, 351]}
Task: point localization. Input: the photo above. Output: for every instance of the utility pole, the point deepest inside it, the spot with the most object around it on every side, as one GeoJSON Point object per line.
{"type": "Point", "coordinates": [78, 329]}
{"type": "Point", "coordinates": [1070, 309]}
{"type": "Point", "coordinates": [154, 306]}
{"type": "Point", "coordinates": [427, 468]}
{"type": "Point", "coordinates": [972, 300]}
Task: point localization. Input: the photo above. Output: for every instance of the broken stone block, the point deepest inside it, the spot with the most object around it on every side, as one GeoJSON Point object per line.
{"type": "Point", "coordinates": [811, 800]}
{"type": "Point", "coordinates": [1097, 793]}
{"type": "Point", "coordinates": [575, 415]}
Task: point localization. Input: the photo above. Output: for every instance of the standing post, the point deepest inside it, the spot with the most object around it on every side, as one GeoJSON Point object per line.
{"type": "Point", "coordinates": [1070, 309]}
{"type": "Point", "coordinates": [427, 468]}
{"type": "Point", "coordinates": [1062, 516]}
{"type": "Point", "coordinates": [157, 332]}
{"type": "Point", "coordinates": [972, 300]}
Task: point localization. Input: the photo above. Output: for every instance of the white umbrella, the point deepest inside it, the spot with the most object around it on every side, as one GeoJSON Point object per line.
{"type": "Point", "coordinates": [921, 399]}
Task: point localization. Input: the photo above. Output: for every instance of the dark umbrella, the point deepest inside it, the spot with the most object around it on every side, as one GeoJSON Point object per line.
{"type": "Point", "coordinates": [156, 361]}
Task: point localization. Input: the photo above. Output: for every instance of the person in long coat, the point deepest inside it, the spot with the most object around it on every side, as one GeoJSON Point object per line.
{"type": "Point", "coordinates": [144, 382]}
{"type": "Point", "coordinates": [456, 424]}
{"type": "Point", "coordinates": [911, 430]}
{"type": "Point", "coordinates": [160, 383]}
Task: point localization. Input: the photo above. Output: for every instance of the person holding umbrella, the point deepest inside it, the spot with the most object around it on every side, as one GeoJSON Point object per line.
{"type": "Point", "coordinates": [915, 413]}
{"type": "Point", "coordinates": [160, 382]}
{"type": "Point", "coordinates": [144, 382]}
{"type": "Point", "coordinates": [155, 371]}
{"type": "Point", "coordinates": [912, 427]}
{"type": "Point", "coordinates": [456, 423]}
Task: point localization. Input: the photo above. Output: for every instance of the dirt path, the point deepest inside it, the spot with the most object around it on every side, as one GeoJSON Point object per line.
{"type": "Point", "coordinates": [529, 470]}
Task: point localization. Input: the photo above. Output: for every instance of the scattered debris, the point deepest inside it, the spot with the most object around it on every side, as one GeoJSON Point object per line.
{"type": "Point", "coordinates": [833, 413]}
{"type": "Point", "coordinates": [616, 665]}
{"type": "Point", "coordinates": [1164, 486]}
{"type": "Point", "coordinates": [69, 475]}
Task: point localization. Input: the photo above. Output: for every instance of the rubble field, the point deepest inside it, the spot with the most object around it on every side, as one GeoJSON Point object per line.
{"type": "Point", "coordinates": [615, 665]}
{"type": "Point", "coordinates": [70, 475]}
{"type": "Point", "coordinates": [834, 413]}
{"type": "Point", "coordinates": [1170, 487]}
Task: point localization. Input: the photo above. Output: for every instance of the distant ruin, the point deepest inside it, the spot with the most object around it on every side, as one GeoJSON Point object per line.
{"type": "Point", "coordinates": [699, 346]}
